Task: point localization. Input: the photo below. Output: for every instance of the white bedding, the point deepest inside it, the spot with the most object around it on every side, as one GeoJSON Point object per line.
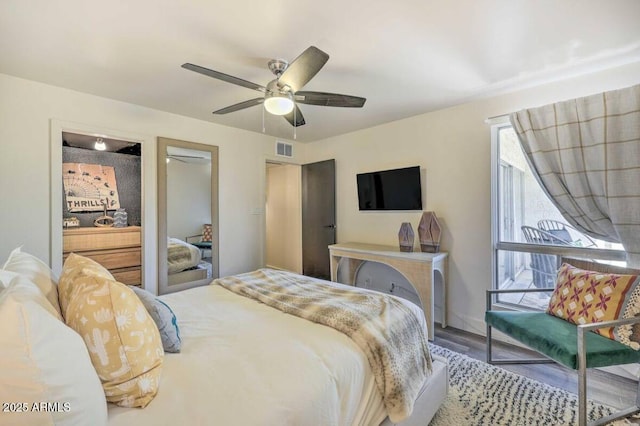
{"type": "Point", "coordinates": [244, 363]}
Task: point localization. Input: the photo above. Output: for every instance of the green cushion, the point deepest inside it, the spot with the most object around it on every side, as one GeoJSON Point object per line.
{"type": "Point", "coordinates": [557, 339]}
{"type": "Point", "coordinates": [202, 244]}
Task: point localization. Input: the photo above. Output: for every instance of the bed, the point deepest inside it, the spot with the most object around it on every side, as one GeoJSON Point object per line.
{"type": "Point", "coordinates": [241, 362]}
{"type": "Point", "coordinates": [245, 363]}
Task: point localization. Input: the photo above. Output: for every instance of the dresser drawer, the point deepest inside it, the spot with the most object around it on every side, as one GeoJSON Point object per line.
{"type": "Point", "coordinates": [115, 258]}
{"type": "Point", "coordinates": [88, 239]}
{"type": "Point", "coordinates": [129, 276]}
{"type": "Point", "coordinates": [117, 249]}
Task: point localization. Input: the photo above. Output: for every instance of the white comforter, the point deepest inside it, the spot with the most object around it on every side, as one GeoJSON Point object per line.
{"type": "Point", "coordinates": [244, 363]}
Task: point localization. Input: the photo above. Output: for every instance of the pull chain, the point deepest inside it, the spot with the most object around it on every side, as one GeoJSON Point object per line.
{"type": "Point", "coordinates": [263, 119]}
{"type": "Point", "coordinates": [294, 121]}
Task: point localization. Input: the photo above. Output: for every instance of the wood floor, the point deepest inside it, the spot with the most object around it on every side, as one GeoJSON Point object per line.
{"type": "Point", "coordinates": [607, 388]}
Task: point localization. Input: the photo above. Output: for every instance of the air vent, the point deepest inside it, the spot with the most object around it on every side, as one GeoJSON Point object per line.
{"type": "Point", "coordinates": [284, 149]}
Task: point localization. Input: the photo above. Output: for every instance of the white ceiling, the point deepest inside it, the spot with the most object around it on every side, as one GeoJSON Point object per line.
{"type": "Point", "coordinates": [406, 57]}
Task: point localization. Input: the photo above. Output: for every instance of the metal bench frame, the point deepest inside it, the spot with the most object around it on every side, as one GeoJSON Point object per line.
{"type": "Point", "coordinates": [582, 359]}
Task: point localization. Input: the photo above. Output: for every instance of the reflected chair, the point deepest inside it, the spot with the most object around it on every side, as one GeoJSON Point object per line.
{"type": "Point", "coordinates": [565, 231]}
{"type": "Point", "coordinates": [204, 239]}
{"type": "Point", "coordinates": [543, 266]}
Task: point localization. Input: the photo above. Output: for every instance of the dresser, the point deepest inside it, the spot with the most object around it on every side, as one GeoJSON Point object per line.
{"type": "Point", "coordinates": [421, 270]}
{"type": "Point", "coordinates": [117, 249]}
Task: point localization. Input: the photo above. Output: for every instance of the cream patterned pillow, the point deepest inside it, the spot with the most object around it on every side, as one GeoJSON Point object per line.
{"type": "Point", "coordinates": [123, 341]}
{"type": "Point", "coordinates": [77, 266]}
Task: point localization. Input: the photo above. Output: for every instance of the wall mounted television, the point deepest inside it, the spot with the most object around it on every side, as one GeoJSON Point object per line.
{"type": "Point", "coordinates": [397, 189]}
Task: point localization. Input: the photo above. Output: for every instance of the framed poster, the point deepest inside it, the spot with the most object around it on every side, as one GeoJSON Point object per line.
{"type": "Point", "coordinates": [90, 187]}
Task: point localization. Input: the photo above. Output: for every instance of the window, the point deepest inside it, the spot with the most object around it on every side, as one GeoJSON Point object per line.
{"type": "Point", "coordinates": [529, 232]}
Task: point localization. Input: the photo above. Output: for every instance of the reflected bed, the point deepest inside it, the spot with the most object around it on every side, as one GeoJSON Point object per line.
{"type": "Point", "coordinates": [184, 262]}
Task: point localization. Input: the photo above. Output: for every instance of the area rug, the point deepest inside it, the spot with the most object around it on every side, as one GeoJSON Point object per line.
{"type": "Point", "coordinates": [481, 394]}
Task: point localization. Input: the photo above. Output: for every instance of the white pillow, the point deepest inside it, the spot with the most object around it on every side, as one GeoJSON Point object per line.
{"type": "Point", "coordinates": [37, 271]}
{"type": "Point", "coordinates": [6, 277]}
{"type": "Point", "coordinates": [44, 362]}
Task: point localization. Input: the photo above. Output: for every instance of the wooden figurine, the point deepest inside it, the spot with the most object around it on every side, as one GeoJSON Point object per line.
{"type": "Point", "coordinates": [104, 221]}
{"type": "Point", "coordinates": [406, 237]}
{"type": "Point", "coordinates": [429, 233]}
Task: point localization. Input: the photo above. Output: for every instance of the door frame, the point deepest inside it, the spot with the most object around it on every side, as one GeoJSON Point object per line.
{"type": "Point", "coordinates": [263, 198]}
{"type": "Point", "coordinates": [313, 271]}
{"type": "Point", "coordinates": [299, 206]}
{"type": "Point", "coordinates": [148, 190]}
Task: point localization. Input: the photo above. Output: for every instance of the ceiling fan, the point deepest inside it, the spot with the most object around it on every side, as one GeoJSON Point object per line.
{"type": "Point", "coordinates": [187, 158]}
{"type": "Point", "coordinates": [282, 94]}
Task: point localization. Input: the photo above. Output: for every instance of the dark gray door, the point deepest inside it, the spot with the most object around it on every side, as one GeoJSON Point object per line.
{"type": "Point", "coordinates": [318, 217]}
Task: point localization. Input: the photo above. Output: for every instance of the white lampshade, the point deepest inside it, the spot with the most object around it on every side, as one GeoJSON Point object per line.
{"type": "Point", "coordinates": [99, 145]}
{"type": "Point", "coordinates": [277, 104]}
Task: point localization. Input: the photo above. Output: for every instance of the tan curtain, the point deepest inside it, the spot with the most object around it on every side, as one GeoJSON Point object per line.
{"type": "Point", "coordinates": [586, 155]}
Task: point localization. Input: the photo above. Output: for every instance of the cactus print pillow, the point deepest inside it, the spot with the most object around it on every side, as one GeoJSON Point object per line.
{"type": "Point", "coordinates": [77, 266]}
{"type": "Point", "coordinates": [123, 341]}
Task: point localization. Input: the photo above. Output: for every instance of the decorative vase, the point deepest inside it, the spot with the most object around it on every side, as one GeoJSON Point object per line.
{"type": "Point", "coordinates": [120, 218]}
{"type": "Point", "coordinates": [406, 237]}
{"type": "Point", "coordinates": [429, 233]}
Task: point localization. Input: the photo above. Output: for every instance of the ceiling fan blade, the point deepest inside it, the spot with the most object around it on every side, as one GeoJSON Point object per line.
{"type": "Point", "coordinates": [224, 77]}
{"type": "Point", "coordinates": [303, 68]}
{"type": "Point", "coordinates": [329, 99]}
{"type": "Point", "coordinates": [299, 118]}
{"type": "Point", "coordinates": [199, 157]}
{"type": "Point", "coordinates": [241, 105]}
{"type": "Point", "coordinates": [173, 157]}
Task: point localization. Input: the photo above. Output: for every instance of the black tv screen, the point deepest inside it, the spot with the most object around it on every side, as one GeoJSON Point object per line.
{"type": "Point", "coordinates": [397, 189]}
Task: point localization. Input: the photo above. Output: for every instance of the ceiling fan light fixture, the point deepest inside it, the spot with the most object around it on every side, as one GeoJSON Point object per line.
{"type": "Point", "coordinates": [282, 95]}
{"type": "Point", "coordinates": [99, 145]}
{"type": "Point", "coordinates": [278, 104]}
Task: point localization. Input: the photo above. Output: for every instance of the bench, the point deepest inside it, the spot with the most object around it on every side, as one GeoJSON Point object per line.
{"type": "Point", "coordinates": [560, 341]}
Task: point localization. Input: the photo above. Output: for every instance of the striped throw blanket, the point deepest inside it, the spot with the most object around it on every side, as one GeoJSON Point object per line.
{"type": "Point", "coordinates": [386, 330]}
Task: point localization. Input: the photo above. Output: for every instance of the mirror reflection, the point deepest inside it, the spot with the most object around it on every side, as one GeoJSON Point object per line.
{"type": "Point", "coordinates": [188, 225]}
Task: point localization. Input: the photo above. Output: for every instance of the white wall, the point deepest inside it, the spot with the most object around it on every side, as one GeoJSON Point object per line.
{"type": "Point", "coordinates": [188, 198]}
{"type": "Point", "coordinates": [283, 213]}
{"type": "Point", "coordinates": [26, 112]}
{"type": "Point", "coordinates": [454, 146]}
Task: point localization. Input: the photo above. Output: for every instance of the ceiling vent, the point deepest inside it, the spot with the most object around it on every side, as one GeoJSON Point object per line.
{"type": "Point", "coordinates": [284, 149]}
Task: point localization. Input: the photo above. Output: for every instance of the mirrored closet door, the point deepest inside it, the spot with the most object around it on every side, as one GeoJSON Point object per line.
{"type": "Point", "coordinates": [187, 214]}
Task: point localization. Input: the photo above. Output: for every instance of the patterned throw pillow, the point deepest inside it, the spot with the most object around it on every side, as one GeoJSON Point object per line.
{"type": "Point", "coordinates": [123, 341]}
{"type": "Point", "coordinates": [164, 318]}
{"type": "Point", "coordinates": [207, 233]}
{"type": "Point", "coordinates": [582, 297]}
{"type": "Point", "coordinates": [74, 267]}
{"type": "Point", "coordinates": [630, 334]}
